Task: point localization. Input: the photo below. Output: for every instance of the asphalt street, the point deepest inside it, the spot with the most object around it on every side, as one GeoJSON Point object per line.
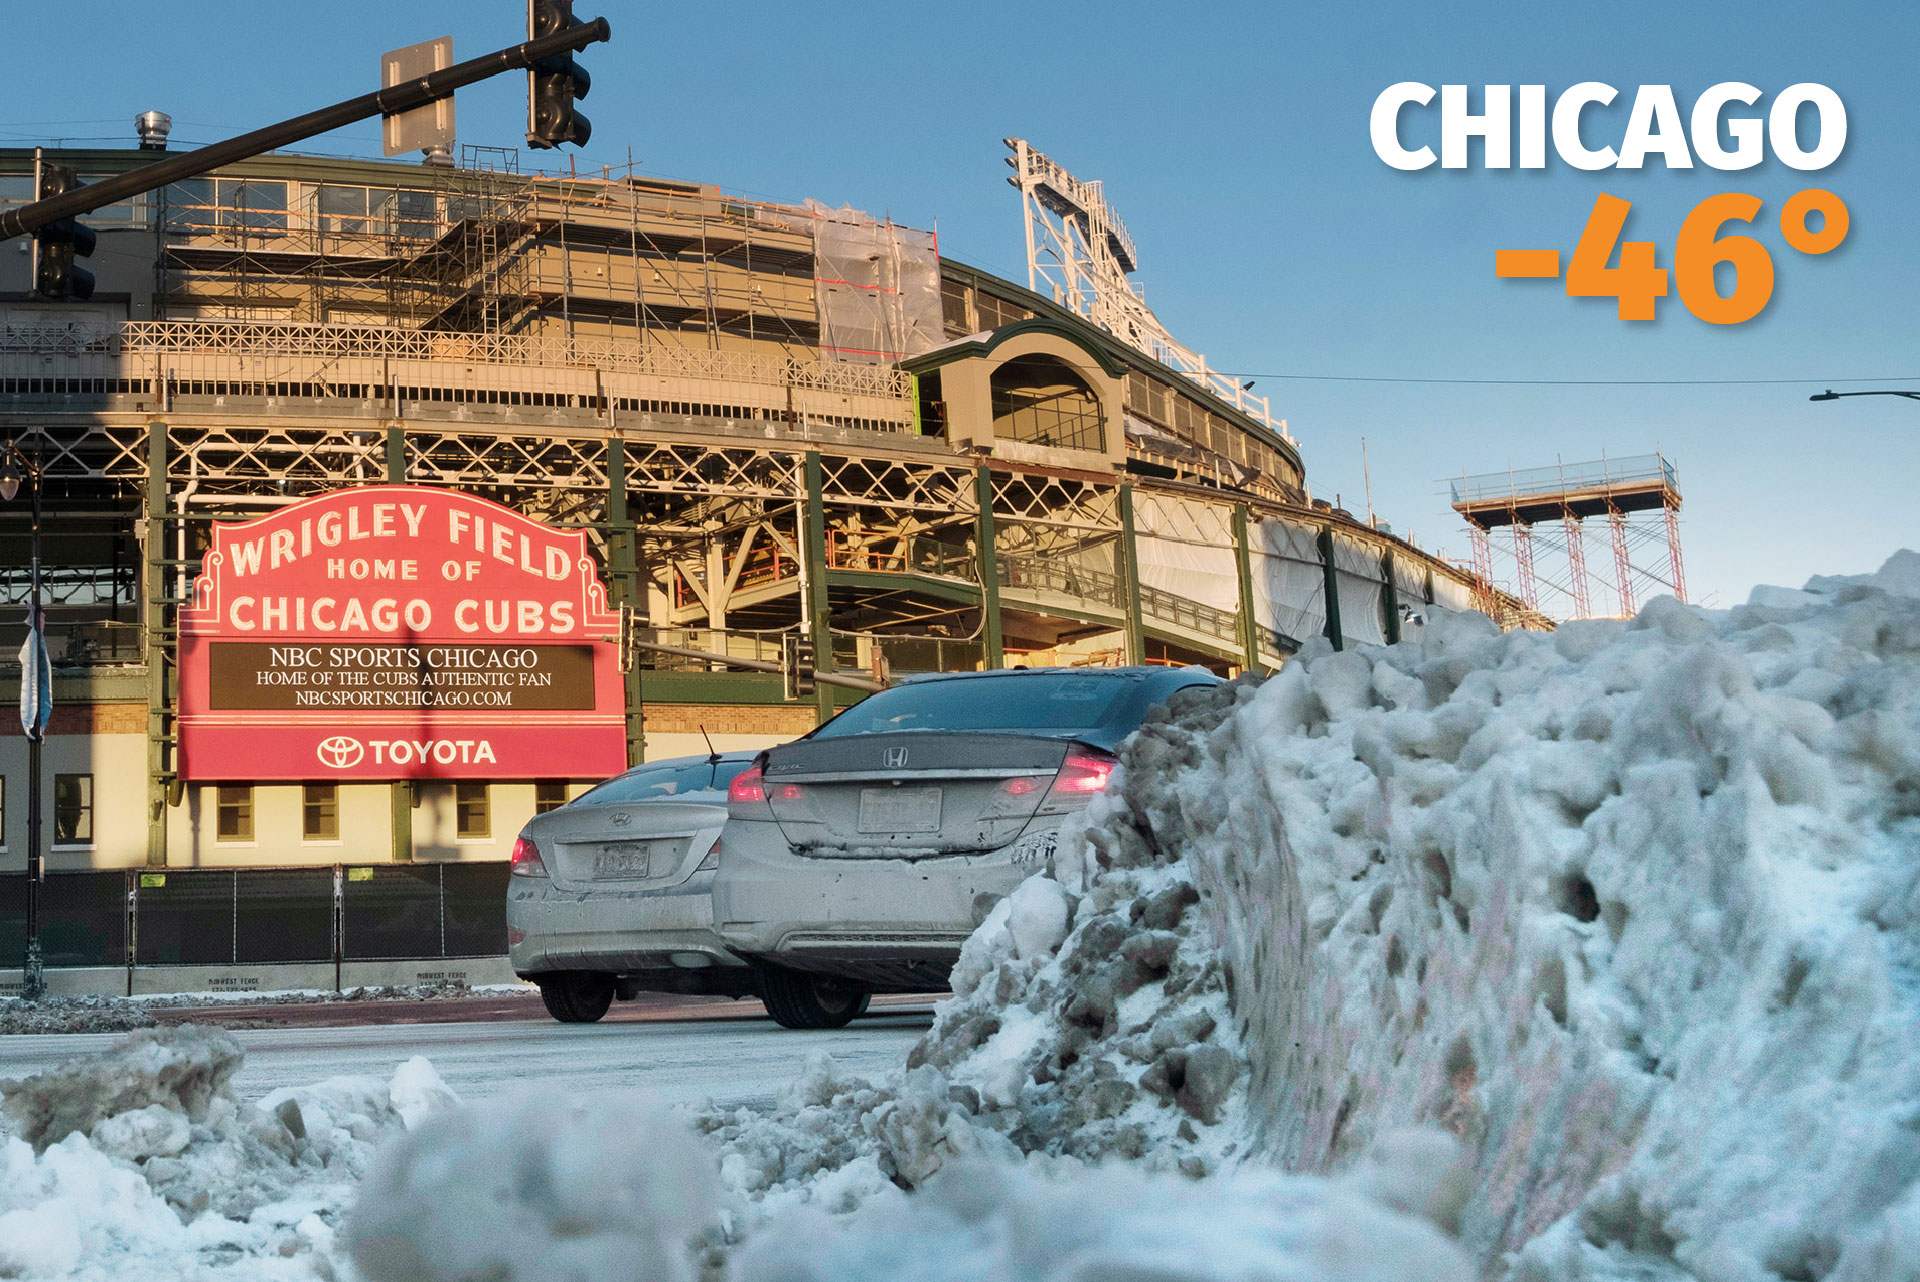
{"type": "Point", "coordinates": [739, 1061]}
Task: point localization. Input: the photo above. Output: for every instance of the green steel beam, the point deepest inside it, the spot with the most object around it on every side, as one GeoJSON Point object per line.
{"type": "Point", "coordinates": [396, 455]}
{"type": "Point", "coordinates": [993, 651]}
{"type": "Point", "coordinates": [399, 791]}
{"type": "Point", "coordinates": [670, 686]}
{"type": "Point", "coordinates": [1389, 598]}
{"type": "Point", "coordinates": [1332, 579]}
{"type": "Point", "coordinates": [159, 648]}
{"type": "Point", "coordinates": [1136, 633]}
{"type": "Point", "coordinates": [814, 550]}
{"type": "Point", "coordinates": [623, 568]}
{"type": "Point", "coordinates": [1249, 621]}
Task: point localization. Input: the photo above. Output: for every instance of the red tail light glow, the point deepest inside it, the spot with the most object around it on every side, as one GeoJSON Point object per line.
{"type": "Point", "coordinates": [788, 792]}
{"type": "Point", "coordinates": [746, 787]}
{"type": "Point", "coordinates": [526, 860]}
{"type": "Point", "coordinates": [1081, 774]}
{"type": "Point", "coordinates": [1024, 786]}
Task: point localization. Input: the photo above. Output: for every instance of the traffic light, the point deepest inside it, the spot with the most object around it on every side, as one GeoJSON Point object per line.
{"type": "Point", "coordinates": [553, 83]}
{"type": "Point", "coordinates": [799, 667]}
{"type": "Point", "coordinates": [57, 244]}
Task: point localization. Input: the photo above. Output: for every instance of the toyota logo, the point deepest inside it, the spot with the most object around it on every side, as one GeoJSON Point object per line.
{"type": "Point", "coordinates": [895, 758]}
{"type": "Point", "coordinates": [340, 752]}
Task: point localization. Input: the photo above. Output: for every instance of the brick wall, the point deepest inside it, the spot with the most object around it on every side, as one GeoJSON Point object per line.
{"type": "Point", "coordinates": [87, 718]}
{"type": "Point", "coordinates": [762, 719]}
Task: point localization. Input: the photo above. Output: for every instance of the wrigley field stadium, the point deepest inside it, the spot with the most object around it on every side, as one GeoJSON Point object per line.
{"type": "Point", "coordinates": [387, 504]}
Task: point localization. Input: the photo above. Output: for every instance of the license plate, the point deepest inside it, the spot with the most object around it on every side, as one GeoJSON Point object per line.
{"type": "Point", "coordinates": [630, 859]}
{"type": "Point", "coordinates": [899, 810]}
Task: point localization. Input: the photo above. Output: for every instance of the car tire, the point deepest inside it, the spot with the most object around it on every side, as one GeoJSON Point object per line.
{"type": "Point", "coordinates": [577, 996]}
{"type": "Point", "coordinates": [799, 999]}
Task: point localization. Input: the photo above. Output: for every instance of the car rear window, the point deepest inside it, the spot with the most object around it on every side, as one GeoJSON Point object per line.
{"type": "Point", "coordinates": [1066, 704]}
{"type": "Point", "coordinates": [664, 783]}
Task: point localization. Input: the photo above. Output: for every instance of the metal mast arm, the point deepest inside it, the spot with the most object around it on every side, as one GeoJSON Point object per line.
{"type": "Point", "coordinates": [395, 98]}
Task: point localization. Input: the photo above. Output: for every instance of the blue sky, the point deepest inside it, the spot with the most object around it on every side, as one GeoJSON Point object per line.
{"type": "Point", "coordinates": [1233, 139]}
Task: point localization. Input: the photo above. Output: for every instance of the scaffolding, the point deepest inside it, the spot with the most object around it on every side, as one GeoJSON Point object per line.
{"type": "Point", "coordinates": [1544, 512]}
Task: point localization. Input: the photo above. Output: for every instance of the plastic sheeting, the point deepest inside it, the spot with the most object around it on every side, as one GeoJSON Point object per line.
{"type": "Point", "coordinates": [1187, 548]}
{"type": "Point", "coordinates": [1450, 593]}
{"type": "Point", "coordinates": [1289, 587]}
{"type": "Point", "coordinates": [1358, 580]}
{"type": "Point", "coordinates": [1410, 581]}
{"type": "Point", "coordinates": [876, 284]}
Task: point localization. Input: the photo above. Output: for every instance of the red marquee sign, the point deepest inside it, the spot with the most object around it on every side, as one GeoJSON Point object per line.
{"type": "Point", "coordinates": [399, 632]}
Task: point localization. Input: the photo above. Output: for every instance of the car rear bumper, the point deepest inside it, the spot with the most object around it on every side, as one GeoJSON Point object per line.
{"type": "Point", "coordinates": [894, 922]}
{"type": "Point", "coordinates": [549, 929]}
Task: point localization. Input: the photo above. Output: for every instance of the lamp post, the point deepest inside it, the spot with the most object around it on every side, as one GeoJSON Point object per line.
{"type": "Point", "coordinates": [15, 467]}
{"type": "Point", "coordinates": [1831, 395]}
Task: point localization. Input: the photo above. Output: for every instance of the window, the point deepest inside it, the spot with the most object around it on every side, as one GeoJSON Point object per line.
{"type": "Point", "coordinates": [73, 810]}
{"type": "Point", "coordinates": [663, 782]}
{"type": "Point", "coordinates": [472, 820]}
{"type": "Point", "coordinates": [233, 812]}
{"type": "Point", "coordinates": [1042, 400]}
{"type": "Point", "coordinates": [206, 204]}
{"type": "Point", "coordinates": [320, 812]}
{"type": "Point", "coordinates": [549, 794]}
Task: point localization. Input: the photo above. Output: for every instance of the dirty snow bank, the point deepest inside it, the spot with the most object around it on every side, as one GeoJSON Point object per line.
{"type": "Point", "coordinates": [138, 1162]}
{"type": "Point", "coordinates": [1632, 908]}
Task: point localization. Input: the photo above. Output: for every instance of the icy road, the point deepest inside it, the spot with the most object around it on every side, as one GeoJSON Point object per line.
{"type": "Point", "coordinates": [733, 1062]}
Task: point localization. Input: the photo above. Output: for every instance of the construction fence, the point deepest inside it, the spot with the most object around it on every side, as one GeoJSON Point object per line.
{"type": "Point", "coordinates": [236, 916]}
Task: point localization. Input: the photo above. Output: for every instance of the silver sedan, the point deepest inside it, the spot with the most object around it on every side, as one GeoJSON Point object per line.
{"type": "Point", "coordinates": [610, 897]}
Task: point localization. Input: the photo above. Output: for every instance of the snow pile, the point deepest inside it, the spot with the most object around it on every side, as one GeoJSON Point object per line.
{"type": "Point", "coordinates": [139, 1162]}
{"type": "Point", "coordinates": [1632, 908]}
{"type": "Point", "coordinates": [536, 1188]}
{"type": "Point", "coordinates": [73, 1015]}
{"type": "Point", "coordinates": [1630, 911]}
{"type": "Point", "coordinates": [1112, 1223]}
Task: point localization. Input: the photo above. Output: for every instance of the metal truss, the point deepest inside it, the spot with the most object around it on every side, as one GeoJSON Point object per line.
{"type": "Point", "coordinates": [444, 456]}
{"type": "Point", "coordinates": [897, 484]}
{"type": "Point", "coordinates": [285, 459]}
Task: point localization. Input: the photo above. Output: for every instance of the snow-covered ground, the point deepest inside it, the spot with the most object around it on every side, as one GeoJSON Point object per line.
{"type": "Point", "coordinates": [1589, 955]}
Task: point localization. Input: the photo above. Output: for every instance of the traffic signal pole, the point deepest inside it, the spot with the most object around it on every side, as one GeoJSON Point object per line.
{"type": "Point", "coordinates": [27, 219]}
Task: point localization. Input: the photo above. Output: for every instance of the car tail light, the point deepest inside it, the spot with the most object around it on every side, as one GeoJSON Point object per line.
{"type": "Point", "coordinates": [526, 860]}
{"type": "Point", "coordinates": [1082, 774]}
{"type": "Point", "coordinates": [789, 792]}
{"type": "Point", "coordinates": [1024, 785]}
{"type": "Point", "coordinates": [747, 795]}
{"type": "Point", "coordinates": [711, 862]}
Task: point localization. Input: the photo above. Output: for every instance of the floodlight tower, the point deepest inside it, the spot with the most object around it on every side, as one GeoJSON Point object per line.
{"type": "Point", "coordinates": [1080, 254]}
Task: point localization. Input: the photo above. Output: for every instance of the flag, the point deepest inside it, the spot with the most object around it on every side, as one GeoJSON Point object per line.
{"type": "Point", "coordinates": [36, 672]}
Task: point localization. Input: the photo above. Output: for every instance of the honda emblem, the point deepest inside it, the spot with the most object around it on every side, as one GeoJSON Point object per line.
{"type": "Point", "coordinates": [896, 758]}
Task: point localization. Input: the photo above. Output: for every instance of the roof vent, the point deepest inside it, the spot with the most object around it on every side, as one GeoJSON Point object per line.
{"type": "Point", "coordinates": [154, 126]}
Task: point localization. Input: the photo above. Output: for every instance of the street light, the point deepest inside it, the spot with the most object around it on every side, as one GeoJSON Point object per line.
{"type": "Point", "coordinates": [16, 467]}
{"type": "Point", "coordinates": [1831, 395]}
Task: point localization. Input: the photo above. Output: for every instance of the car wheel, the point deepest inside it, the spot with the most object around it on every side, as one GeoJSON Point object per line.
{"type": "Point", "coordinates": [797, 999]}
{"type": "Point", "coordinates": [577, 996]}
